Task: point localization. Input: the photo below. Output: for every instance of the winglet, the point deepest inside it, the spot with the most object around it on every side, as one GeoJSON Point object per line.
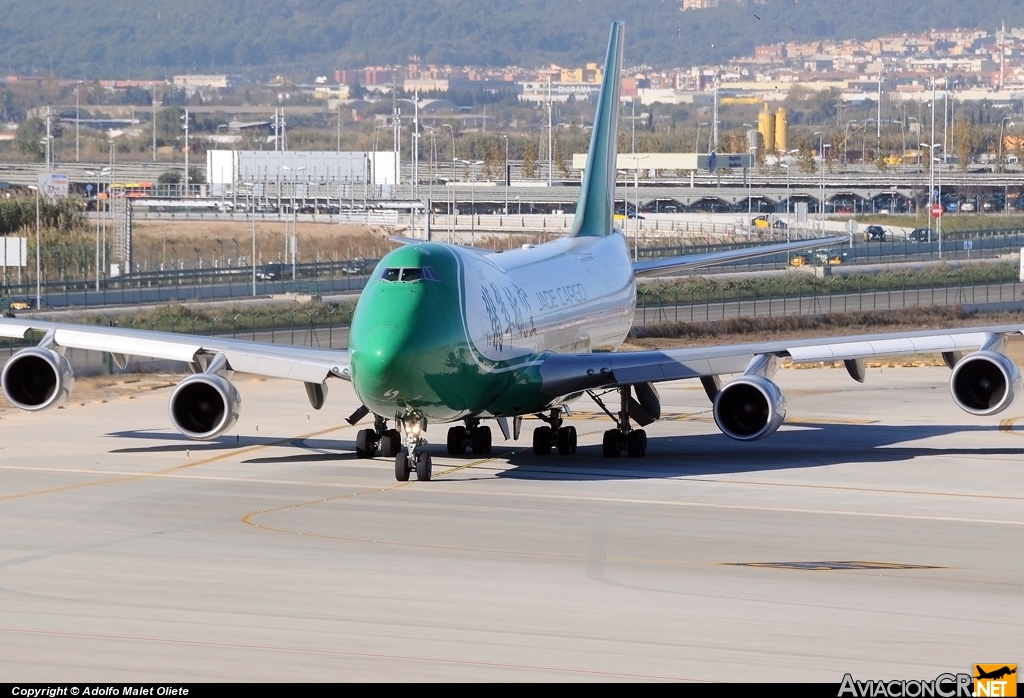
{"type": "Point", "coordinates": [594, 211]}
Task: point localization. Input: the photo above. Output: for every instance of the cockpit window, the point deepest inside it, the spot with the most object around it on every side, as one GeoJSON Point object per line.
{"type": "Point", "coordinates": [409, 274]}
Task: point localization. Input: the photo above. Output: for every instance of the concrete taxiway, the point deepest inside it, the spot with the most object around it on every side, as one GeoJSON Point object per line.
{"type": "Point", "coordinates": [130, 553]}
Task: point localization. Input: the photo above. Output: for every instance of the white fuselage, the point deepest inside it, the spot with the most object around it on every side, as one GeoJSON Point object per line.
{"type": "Point", "coordinates": [570, 295]}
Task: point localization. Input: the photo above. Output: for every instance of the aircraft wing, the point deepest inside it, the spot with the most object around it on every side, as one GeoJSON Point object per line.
{"type": "Point", "coordinates": [651, 267]}
{"type": "Point", "coordinates": [564, 374]}
{"type": "Point", "coordinates": [305, 364]}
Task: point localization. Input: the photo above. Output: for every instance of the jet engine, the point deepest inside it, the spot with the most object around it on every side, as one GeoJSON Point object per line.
{"type": "Point", "coordinates": [204, 406]}
{"type": "Point", "coordinates": [984, 383]}
{"type": "Point", "coordinates": [749, 408]}
{"type": "Point", "coordinates": [37, 378]}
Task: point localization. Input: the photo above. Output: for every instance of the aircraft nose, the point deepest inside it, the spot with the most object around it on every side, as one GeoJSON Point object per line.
{"type": "Point", "coordinates": [378, 360]}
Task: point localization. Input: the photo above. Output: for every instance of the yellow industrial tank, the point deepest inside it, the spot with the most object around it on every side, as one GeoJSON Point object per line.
{"type": "Point", "coordinates": [766, 127]}
{"type": "Point", "coordinates": [782, 130]}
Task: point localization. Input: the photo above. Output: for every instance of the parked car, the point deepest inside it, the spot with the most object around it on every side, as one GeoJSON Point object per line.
{"type": "Point", "coordinates": [270, 272]}
{"type": "Point", "coordinates": [919, 235]}
{"type": "Point", "coordinates": [967, 207]}
{"type": "Point", "coordinates": [874, 232]}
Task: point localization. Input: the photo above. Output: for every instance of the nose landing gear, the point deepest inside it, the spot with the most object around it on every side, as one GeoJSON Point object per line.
{"type": "Point", "coordinates": [413, 457]}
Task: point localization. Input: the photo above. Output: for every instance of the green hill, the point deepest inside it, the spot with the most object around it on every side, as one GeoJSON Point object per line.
{"type": "Point", "coordinates": [121, 38]}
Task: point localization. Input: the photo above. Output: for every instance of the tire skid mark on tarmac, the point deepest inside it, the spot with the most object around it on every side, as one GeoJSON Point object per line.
{"type": "Point", "coordinates": [342, 653]}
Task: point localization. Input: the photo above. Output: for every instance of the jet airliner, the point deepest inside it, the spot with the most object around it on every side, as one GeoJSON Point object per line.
{"type": "Point", "coordinates": [444, 334]}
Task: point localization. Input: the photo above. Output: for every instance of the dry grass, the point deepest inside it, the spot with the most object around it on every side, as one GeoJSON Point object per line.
{"type": "Point", "coordinates": [163, 241]}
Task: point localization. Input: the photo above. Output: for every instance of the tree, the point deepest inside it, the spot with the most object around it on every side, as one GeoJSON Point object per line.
{"type": "Point", "coordinates": [529, 160]}
{"type": "Point", "coordinates": [966, 139]}
{"type": "Point", "coordinates": [28, 136]}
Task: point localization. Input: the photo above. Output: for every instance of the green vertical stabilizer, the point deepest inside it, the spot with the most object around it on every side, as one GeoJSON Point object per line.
{"type": "Point", "coordinates": [594, 211]}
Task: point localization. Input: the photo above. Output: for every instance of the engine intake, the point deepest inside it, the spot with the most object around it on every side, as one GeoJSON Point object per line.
{"type": "Point", "coordinates": [204, 406]}
{"type": "Point", "coordinates": [37, 379]}
{"type": "Point", "coordinates": [984, 383]}
{"type": "Point", "coordinates": [749, 408]}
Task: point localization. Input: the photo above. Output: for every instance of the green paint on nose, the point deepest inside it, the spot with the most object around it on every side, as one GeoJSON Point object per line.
{"type": "Point", "coordinates": [378, 361]}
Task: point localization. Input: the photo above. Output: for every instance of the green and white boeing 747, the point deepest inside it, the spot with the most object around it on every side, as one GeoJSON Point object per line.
{"type": "Point", "coordinates": [449, 334]}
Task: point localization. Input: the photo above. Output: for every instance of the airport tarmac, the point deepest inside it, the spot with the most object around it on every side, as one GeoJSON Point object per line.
{"type": "Point", "coordinates": [879, 533]}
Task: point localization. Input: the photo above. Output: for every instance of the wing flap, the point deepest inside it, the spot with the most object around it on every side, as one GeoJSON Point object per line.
{"type": "Point", "coordinates": [97, 340]}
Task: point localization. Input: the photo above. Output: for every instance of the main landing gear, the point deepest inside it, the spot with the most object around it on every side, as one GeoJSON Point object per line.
{"type": "Point", "coordinates": [472, 436]}
{"type": "Point", "coordinates": [369, 440]}
{"type": "Point", "coordinates": [623, 437]}
{"type": "Point", "coordinates": [554, 435]}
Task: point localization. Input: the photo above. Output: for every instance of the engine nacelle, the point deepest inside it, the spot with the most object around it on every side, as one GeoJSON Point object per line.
{"type": "Point", "coordinates": [749, 408]}
{"type": "Point", "coordinates": [204, 406]}
{"type": "Point", "coordinates": [37, 378]}
{"type": "Point", "coordinates": [984, 383]}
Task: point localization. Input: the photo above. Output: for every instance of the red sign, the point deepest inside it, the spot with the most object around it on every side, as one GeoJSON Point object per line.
{"type": "Point", "coordinates": [936, 210]}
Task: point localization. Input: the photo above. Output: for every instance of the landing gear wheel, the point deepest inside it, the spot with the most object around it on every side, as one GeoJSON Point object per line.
{"type": "Point", "coordinates": [423, 466]}
{"type": "Point", "coordinates": [482, 441]}
{"type": "Point", "coordinates": [390, 443]}
{"type": "Point", "coordinates": [636, 443]}
{"type": "Point", "coordinates": [567, 440]}
{"type": "Point", "coordinates": [542, 441]}
{"type": "Point", "coordinates": [366, 443]}
{"type": "Point", "coordinates": [610, 444]}
{"type": "Point", "coordinates": [456, 441]}
{"type": "Point", "coordinates": [402, 466]}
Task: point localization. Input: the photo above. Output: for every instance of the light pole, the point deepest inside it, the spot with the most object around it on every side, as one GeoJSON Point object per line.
{"type": "Point", "coordinates": [821, 185]}
{"type": "Point", "coordinates": [98, 175]}
{"type": "Point", "coordinates": [932, 197]}
{"type": "Point", "coordinates": [1001, 125]}
{"type": "Point", "coordinates": [451, 188]}
{"type": "Point", "coordinates": [789, 222]}
{"type": "Point", "coordinates": [506, 175]}
{"type": "Point", "coordinates": [696, 141]}
{"type": "Point", "coordinates": [185, 126]}
{"type": "Point", "coordinates": [293, 243]}
{"type": "Point", "coordinates": [636, 204]}
{"type": "Point", "coordinates": [39, 265]}
{"type": "Point", "coordinates": [252, 262]}
{"type": "Point", "coordinates": [415, 101]}
{"type": "Point", "coordinates": [78, 85]}
{"type": "Point", "coordinates": [153, 100]}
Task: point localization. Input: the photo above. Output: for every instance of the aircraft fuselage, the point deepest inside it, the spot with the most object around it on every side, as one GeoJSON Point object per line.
{"type": "Point", "coordinates": [450, 333]}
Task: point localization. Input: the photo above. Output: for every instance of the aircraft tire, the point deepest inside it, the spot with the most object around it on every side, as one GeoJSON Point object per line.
{"type": "Point", "coordinates": [390, 443]}
{"type": "Point", "coordinates": [637, 443]}
{"type": "Point", "coordinates": [366, 443]}
{"type": "Point", "coordinates": [567, 440]}
{"type": "Point", "coordinates": [424, 466]}
{"type": "Point", "coordinates": [456, 441]}
{"type": "Point", "coordinates": [482, 441]}
{"type": "Point", "coordinates": [542, 441]}
{"type": "Point", "coordinates": [610, 443]}
{"type": "Point", "coordinates": [402, 466]}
